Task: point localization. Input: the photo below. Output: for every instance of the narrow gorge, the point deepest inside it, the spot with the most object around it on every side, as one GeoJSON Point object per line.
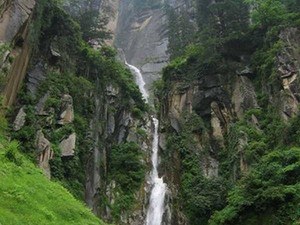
{"type": "Point", "coordinates": [150, 112]}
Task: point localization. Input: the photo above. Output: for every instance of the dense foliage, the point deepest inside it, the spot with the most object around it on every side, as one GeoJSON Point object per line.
{"type": "Point", "coordinates": [71, 64]}
{"type": "Point", "coordinates": [127, 169]}
{"type": "Point", "coordinates": [226, 31]}
{"type": "Point", "coordinates": [28, 197]}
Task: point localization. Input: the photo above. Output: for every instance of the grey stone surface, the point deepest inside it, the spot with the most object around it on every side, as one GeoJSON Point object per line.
{"type": "Point", "coordinates": [15, 16]}
{"type": "Point", "coordinates": [35, 77]}
{"type": "Point", "coordinates": [67, 146]}
{"type": "Point", "coordinates": [19, 120]}
{"type": "Point", "coordinates": [143, 38]}
{"type": "Point", "coordinates": [39, 108]}
{"type": "Point", "coordinates": [45, 153]}
{"type": "Point", "coordinates": [67, 110]}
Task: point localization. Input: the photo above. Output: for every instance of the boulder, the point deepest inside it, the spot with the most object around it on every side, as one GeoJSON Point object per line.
{"type": "Point", "coordinates": [67, 146]}
{"type": "Point", "coordinates": [35, 77]}
{"type": "Point", "coordinates": [39, 108]}
{"type": "Point", "coordinates": [45, 153]}
{"type": "Point", "coordinates": [67, 110]}
{"type": "Point", "coordinates": [20, 120]}
{"type": "Point", "coordinates": [112, 91]}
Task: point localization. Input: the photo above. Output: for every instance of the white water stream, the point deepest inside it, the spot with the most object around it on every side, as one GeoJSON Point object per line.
{"type": "Point", "coordinates": [157, 197]}
{"type": "Point", "coordinates": [139, 80]}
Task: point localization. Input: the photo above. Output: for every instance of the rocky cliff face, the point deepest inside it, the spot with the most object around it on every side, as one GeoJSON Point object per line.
{"type": "Point", "coordinates": [70, 130]}
{"type": "Point", "coordinates": [221, 100]}
{"type": "Point", "coordinates": [14, 27]}
{"type": "Point", "coordinates": [142, 35]}
{"type": "Point", "coordinates": [119, 126]}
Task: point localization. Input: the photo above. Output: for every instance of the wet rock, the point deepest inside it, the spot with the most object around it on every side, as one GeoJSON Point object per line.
{"type": "Point", "coordinates": [20, 120]}
{"type": "Point", "coordinates": [67, 146]}
{"type": "Point", "coordinates": [144, 40]}
{"type": "Point", "coordinates": [67, 115]}
{"type": "Point", "coordinates": [35, 77]}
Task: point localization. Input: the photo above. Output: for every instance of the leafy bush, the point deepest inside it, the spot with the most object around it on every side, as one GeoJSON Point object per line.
{"type": "Point", "coordinates": [273, 184]}
{"type": "Point", "coordinates": [127, 169]}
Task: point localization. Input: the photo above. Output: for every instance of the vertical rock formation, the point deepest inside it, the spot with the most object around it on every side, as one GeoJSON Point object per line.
{"type": "Point", "coordinates": [14, 28]}
{"type": "Point", "coordinates": [142, 34]}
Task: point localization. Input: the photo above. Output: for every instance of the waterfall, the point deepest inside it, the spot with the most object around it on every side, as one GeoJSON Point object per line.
{"type": "Point", "coordinates": [139, 80]}
{"type": "Point", "coordinates": [157, 197]}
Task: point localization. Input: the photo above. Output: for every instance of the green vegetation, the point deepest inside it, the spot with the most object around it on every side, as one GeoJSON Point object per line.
{"type": "Point", "coordinates": [269, 193]}
{"type": "Point", "coordinates": [200, 196]}
{"type": "Point", "coordinates": [127, 169]}
{"type": "Point", "coordinates": [72, 66]}
{"type": "Point", "coordinates": [28, 197]}
{"type": "Point", "coordinates": [258, 180]}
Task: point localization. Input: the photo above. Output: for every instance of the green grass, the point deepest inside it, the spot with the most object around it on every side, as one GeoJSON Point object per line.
{"type": "Point", "coordinates": [27, 197]}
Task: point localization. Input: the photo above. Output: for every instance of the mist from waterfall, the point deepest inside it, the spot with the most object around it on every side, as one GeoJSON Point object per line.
{"type": "Point", "coordinates": [158, 187]}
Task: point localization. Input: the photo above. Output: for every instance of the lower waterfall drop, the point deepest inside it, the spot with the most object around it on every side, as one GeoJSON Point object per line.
{"type": "Point", "coordinates": [157, 197]}
{"type": "Point", "coordinates": [158, 192]}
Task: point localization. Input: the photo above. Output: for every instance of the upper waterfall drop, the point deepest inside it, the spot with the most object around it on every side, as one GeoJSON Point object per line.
{"type": "Point", "coordinates": [139, 80]}
{"type": "Point", "coordinates": [158, 187]}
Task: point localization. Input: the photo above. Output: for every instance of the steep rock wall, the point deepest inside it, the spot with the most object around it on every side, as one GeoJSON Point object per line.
{"type": "Point", "coordinates": [222, 101]}
{"type": "Point", "coordinates": [14, 29]}
{"type": "Point", "coordinates": [143, 37]}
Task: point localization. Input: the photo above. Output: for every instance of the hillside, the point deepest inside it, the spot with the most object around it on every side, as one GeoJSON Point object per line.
{"type": "Point", "coordinates": [29, 198]}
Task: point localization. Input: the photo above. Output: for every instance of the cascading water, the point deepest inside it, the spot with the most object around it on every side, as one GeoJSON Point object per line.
{"type": "Point", "coordinates": [139, 80]}
{"type": "Point", "coordinates": [157, 197]}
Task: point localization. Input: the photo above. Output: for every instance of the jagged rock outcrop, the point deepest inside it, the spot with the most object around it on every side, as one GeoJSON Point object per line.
{"type": "Point", "coordinates": [68, 145]}
{"type": "Point", "coordinates": [19, 120]}
{"type": "Point", "coordinates": [288, 64]}
{"type": "Point", "coordinates": [14, 29]}
{"type": "Point", "coordinates": [119, 127]}
{"type": "Point", "coordinates": [43, 147]}
{"type": "Point", "coordinates": [35, 77]}
{"type": "Point", "coordinates": [221, 100]}
{"type": "Point", "coordinates": [14, 16]}
{"type": "Point", "coordinates": [67, 111]}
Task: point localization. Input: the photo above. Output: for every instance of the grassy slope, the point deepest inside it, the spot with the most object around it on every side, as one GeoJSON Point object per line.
{"type": "Point", "coordinates": [27, 197]}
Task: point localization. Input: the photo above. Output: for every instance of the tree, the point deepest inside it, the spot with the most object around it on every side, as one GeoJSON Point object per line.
{"type": "Point", "coordinates": [181, 32]}
{"type": "Point", "coordinates": [92, 23]}
{"type": "Point", "coordinates": [229, 17]}
{"type": "Point", "coordinates": [267, 13]}
{"type": "Point", "coordinates": [93, 26]}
